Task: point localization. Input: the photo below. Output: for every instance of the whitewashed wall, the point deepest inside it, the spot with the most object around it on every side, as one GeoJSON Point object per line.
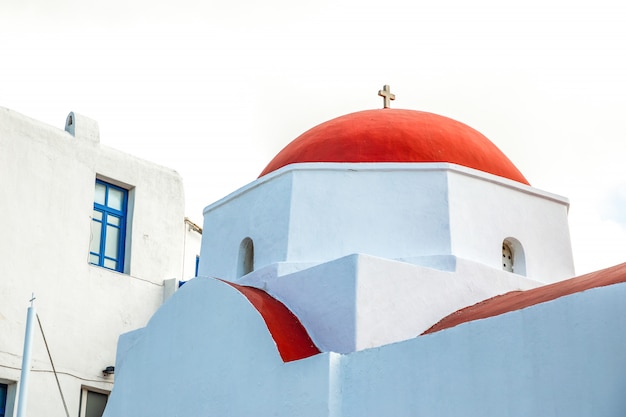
{"type": "Point", "coordinates": [47, 178]}
{"type": "Point", "coordinates": [361, 301]}
{"type": "Point", "coordinates": [485, 210]}
{"type": "Point", "coordinates": [314, 213]}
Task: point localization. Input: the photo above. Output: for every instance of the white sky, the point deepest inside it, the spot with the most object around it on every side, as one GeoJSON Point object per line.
{"type": "Point", "coordinates": [216, 89]}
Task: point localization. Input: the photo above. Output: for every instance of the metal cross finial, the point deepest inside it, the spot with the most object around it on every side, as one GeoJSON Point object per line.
{"type": "Point", "coordinates": [385, 93]}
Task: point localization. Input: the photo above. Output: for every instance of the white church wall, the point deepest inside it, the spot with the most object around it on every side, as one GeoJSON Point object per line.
{"type": "Point", "coordinates": [207, 351]}
{"type": "Point", "coordinates": [361, 301]}
{"type": "Point", "coordinates": [485, 210]}
{"type": "Point", "coordinates": [386, 210]}
{"type": "Point", "coordinates": [47, 181]}
{"type": "Point", "coordinates": [312, 213]}
{"type": "Point", "coordinates": [259, 211]}
{"type": "Point", "coordinates": [560, 358]}
{"type": "Point", "coordinates": [563, 357]}
{"type": "Point", "coordinates": [331, 323]}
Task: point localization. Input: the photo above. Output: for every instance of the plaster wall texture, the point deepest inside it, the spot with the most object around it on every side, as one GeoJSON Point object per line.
{"type": "Point", "coordinates": [563, 357]}
{"type": "Point", "coordinates": [47, 179]}
{"type": "Point", "coordinates": [379, 209]}
{"type": "Point", "coordinates": [207, 351]}
{"type": "Point", "coordinates": [484, 213]}
{"type": "Point", "coordinates": [560, 358]}
{"type": "Point", "coordinates": [260, 211]}
{"type": "Point", "coordinates": [314, 213]}
{"type": "Point", "coordinates": [361, 301]}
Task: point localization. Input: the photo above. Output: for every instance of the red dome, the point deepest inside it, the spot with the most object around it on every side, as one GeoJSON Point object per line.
{"type": "Point", "coordinates": [394, 135]}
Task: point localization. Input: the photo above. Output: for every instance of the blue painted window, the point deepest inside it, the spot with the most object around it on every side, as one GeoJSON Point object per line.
{"type": "Point", "coordinates": [3, 399]}
{"type": "Point", "coordinates": [108, 226]}
{"type": "Point", "coordinates": [197, 265]}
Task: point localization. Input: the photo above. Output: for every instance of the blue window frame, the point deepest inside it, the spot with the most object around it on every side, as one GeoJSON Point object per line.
{"type": "Point", "coordinates": [108, 226]}
{"type": "Point", "coordinates": [3, 399]}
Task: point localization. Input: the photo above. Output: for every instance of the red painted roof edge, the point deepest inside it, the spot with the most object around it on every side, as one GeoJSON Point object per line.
{"type": "Point", "coordinates": [291, 338]}
{"type": "Point", "coordinates": [517, 300]}
{"type": "Point", "coordinates": [396, 135]}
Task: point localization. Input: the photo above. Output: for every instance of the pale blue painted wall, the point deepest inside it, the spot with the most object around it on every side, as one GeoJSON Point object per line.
{"type": "Point", "coordinates": [207, 352]}
{"type": "Point", "coordinates": [562, 358]}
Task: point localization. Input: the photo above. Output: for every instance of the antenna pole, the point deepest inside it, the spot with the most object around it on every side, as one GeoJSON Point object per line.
{"type": "Point", "coordinates": [21, 401]}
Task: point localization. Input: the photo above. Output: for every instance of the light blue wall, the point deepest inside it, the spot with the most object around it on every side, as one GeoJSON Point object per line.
{"type": "Point", "coordinates": [562, 358]}
{"type": "Point", "coordinates": [207, 352]}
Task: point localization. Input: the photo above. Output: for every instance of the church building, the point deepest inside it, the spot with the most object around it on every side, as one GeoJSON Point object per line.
{"type": "Point", "coordinates": [385, 263]}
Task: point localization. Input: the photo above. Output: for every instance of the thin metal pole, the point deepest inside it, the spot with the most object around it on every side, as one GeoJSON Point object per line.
{"type": "Point", "coordinates": [67, 413]}
{"type": "Point", "coordinates": [23, 394]}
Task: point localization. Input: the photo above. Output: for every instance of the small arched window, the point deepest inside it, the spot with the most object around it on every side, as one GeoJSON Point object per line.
{"type": "Point", "coordinates": [507, 257]}
{"type": "Point", "coordinates": [513, 259]}
{"type": "Point", "coordinates": [245, 263]}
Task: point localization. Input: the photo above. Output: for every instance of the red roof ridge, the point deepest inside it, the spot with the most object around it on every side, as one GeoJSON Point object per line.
{"type": "Point", "coordinates": [291, 338]}
{"type": "Point", "coordinates": [517, 300]}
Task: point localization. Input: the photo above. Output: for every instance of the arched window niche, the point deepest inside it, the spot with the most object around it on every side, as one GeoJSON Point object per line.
{"type": "Point", "coordinates": [245, 263]}
{"type": "Point", "coordinates": [513, 259]}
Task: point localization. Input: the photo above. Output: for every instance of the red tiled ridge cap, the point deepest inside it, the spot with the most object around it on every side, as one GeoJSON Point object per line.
{"type": "Point", "coordinates": [291, 338]}
{"type": "Point", "coordinates": [517, 300]}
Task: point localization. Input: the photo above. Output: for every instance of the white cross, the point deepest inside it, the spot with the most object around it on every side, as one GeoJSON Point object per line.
{"type": "Point", "coordinates": [385, 93]}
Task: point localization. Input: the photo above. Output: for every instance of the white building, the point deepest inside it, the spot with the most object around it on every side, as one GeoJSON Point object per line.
{"type": "Point", "coordinates": [329, 285]}
{"type": "Point", "coordinates": [100, 237]}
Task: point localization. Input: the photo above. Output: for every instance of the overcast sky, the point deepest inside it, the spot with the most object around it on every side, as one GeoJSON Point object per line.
{"type": "Point", "coordinates": [216, 89]}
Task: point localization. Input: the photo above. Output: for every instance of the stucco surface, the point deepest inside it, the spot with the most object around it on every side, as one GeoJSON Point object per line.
{"type": "Point", "coordinates": [517, 300]}
{"type": "Point", "coordinates": [563, 357]}
{"type": "Point", "coordinates": [47, 178]}
{"type": "Point", "coordinates": [361, 301]}
{"type": "Point", "coordinates": [559, 358]}
{"type": "Point", "coordinates": [314, 213]}
{"type": "Point", "coordinates": [216, 354]}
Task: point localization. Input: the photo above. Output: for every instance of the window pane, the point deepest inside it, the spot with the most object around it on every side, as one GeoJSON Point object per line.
{"type": "Point", "coordinates": [112, 242]}
{"type": "Point", "coordinates": [116, 197]}
{"type": "Point", "coordinates": [96, 234]}
{"type": "Point", "coordinates": [3, 398]}
{"type": "Point", "coordinates": [108, 226]}
{"type": "Point", "coordinates": [100, 192]}
{"type": "Point", "coordinates": [96, 403]}
{"type": "Point", "coordinates": [109, 263]}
